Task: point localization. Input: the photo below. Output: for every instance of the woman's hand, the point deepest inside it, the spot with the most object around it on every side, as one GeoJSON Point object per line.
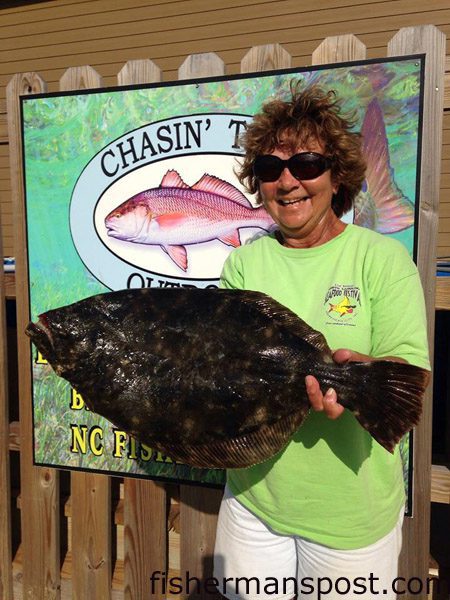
{"type": "Point", "coordinates": [328, 402]}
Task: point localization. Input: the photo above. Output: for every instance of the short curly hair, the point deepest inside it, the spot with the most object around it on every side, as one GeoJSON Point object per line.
{"type": "Point", "coordinates": [310, 115]}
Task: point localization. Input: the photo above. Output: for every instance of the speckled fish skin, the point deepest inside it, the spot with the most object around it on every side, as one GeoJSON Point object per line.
{"type": "Point", "coordinates": [214, 378]}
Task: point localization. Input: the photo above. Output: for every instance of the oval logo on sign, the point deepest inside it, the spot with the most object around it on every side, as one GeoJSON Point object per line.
{"type": "Point", "coordinates": [161, 206]}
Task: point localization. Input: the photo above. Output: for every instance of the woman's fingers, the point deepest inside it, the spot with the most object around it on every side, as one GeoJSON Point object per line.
{"type": "Point", "coordinates": [323, 402]}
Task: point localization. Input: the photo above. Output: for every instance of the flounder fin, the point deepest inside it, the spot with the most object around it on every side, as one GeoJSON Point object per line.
{"type": "Point", "coordinates": [214, 185]}
{"type": "Point", "coordinates": [387, 398]}
{"type": "Point", "coordinates": [178, 254]}
{"type": "Point", "coordinates": [231, 239]}
{"type": "Point", "coordinates": [173, 179]}
{"type": "Point", "coordinates": [394, 211]}
{"type": "Point", "coordinates": [239, 452]}
{"type": "Point", "coordinates": [285, 317]}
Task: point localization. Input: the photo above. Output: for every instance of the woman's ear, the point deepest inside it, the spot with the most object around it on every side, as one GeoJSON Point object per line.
{"type": "Point", "coordinates": [335, 185]}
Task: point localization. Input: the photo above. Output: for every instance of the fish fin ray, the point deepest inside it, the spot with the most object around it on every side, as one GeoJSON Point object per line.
{"type": "Point", "coordinates": [173, 179]}
{"type": "Point", "coordinates": [231, 239]}
{"type": "Point", "coordinates": [391, 404]}
{"type": "Point", "coordinates": [178, 254]}
{"type": "Point", "coordinates": [214, 185]}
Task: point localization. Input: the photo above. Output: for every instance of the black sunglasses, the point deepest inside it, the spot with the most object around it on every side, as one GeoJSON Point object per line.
{"type": "Point", "coordinates": [305, 165]}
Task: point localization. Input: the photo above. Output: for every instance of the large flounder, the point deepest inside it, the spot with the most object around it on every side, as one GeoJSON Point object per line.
{"type": "Point", "coordinates": [214, 378]}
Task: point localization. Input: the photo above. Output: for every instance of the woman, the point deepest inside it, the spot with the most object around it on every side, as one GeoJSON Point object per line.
{"type": "Point", "coordinates": [324, 516]}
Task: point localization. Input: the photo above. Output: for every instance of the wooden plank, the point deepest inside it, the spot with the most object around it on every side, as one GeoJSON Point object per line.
{"type": "Point", "coordinates": [91, 536]}
{"type": "Point", "coordinates": [10, 286]}
{"type": "Point", "coordinates": [169, 17]}
{"type": "Point", "coordinates": [90, 492]}
{"type": "Point", "coordinates": [145, 538]}
{"type": "Point", "coordinates": [440, 484]}
{"type": "Point", "coordinates": [442, 301]}
{"type": "Point", "coordinates": [198, 506]}
{"type": "Point", "coordinates": [99, 9]}
{"type": "Point", "coordinates": [198, 520]}
{"type": "Point", "coordinates": [14, 436]}
{"type": "Point", "coordinates": [444, 208]}
{"type": "Point", "coordinates": [169, 58]}
{"type": "Point", "coordinates": [139, 71]}
{"type": "Point", "coordinates": [6, 587]}
{"type": "Point", "coordinates": [80, 78]}
{"type": "Point", "coordinates": [197, 39]}
{"type": "Point", "coordinates": [447, 90]}
{"type": "Point", "coordinates": [39, 486]}
{"type": "Point", "coordinates": [144, 515]}
{"type": "Point", "coordinates": [339, 48]}
{"type": "Point", "coordinates": [428, 39]}
{"type": "Point", "coordinates": [266, 58]}
{"type": "Point", "coordinates": [444, 225]}
{"type": "Point", "coordinates": [201, 65]}
{"type": "Point", "coordinates": [445, 181]}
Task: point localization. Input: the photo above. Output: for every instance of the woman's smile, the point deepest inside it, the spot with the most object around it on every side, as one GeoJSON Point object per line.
{"type": "Point", "coordinates": [293, 201]}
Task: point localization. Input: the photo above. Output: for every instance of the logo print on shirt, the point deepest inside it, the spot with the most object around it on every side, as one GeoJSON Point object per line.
{"type": "Point", "coordinates": [342, 303]}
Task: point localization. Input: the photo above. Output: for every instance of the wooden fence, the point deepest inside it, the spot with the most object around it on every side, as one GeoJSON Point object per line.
{"type": "Point", "coordinates": [86, 552]}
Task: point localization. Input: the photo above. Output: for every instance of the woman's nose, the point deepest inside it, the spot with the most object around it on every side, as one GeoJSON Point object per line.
{"type": "Point", "coordinates": [286, 180]}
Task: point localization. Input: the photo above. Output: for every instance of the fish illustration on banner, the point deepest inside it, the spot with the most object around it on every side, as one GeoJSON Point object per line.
{"type": "Point", "coordinates": [175, 215]}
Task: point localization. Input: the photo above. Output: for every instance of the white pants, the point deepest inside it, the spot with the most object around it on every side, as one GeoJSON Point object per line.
{"type": "Point", "coordinates": [252, 561]}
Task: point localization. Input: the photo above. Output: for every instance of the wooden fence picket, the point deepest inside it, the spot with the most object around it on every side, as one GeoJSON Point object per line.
{"type": "Point", "coordinates": [6, 589]}
{"type": "Point", "coordinates": [145, 512]}
{"type": "Point", "coordinates": [339, 48]}
{"type": "Point", "coordinates": [198, 506]}
{"type": "Point", "coordinates": [207, 64]}
{"type": "Point", "coordinates": [90, 492]}
{"type": "Point", "coordinates": [429, 40]}
{"type": "Point", "coordinates": [266, 58]}
{"type": "Point", "coordinates": [40, 506]}
{"type": "Point", "coordinates": [139, 71]}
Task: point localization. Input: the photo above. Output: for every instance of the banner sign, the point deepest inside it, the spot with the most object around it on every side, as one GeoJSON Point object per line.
{"type": "Point", "coordinates": [98, 164]}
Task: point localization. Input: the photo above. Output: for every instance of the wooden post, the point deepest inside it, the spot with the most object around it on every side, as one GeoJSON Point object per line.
{"type": "Point", "coordinates": [6, 591]}
{"type": "Point", "coordinates": [145, 514]}
{"type": "Point", "coordinates": [91, 536]}
{"type": "Point", "coordinates": [39, 486]}
{"type": "Point", "coordinates": [198, 506]}
{"type": "Point", "coordinates": [429, 40]}
{"type": "Point", "coordinates": [90, 493]}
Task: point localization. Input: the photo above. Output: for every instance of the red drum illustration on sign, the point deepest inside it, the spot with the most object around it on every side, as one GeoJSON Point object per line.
{"type": "Point", "coordinates": [175, 215]}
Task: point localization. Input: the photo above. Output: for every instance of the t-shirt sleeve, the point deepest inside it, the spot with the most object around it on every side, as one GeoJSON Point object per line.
{"type": "Point", "coordinates": [399, 324]}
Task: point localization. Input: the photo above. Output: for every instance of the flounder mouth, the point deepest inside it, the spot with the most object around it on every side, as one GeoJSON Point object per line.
{"type": "Point", "coordinates": [41, 335]}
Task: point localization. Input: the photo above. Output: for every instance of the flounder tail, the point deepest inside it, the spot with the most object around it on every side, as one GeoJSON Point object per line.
{"type": "Point", "coordinates": [387, 398]}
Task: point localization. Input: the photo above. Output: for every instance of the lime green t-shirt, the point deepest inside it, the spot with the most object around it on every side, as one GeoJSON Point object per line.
{"type": "Point", "coordinates": [333, 483]}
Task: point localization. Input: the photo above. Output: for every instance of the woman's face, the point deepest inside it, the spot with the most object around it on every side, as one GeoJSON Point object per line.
{"type": "Point", "coordinates": [300, 208]}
